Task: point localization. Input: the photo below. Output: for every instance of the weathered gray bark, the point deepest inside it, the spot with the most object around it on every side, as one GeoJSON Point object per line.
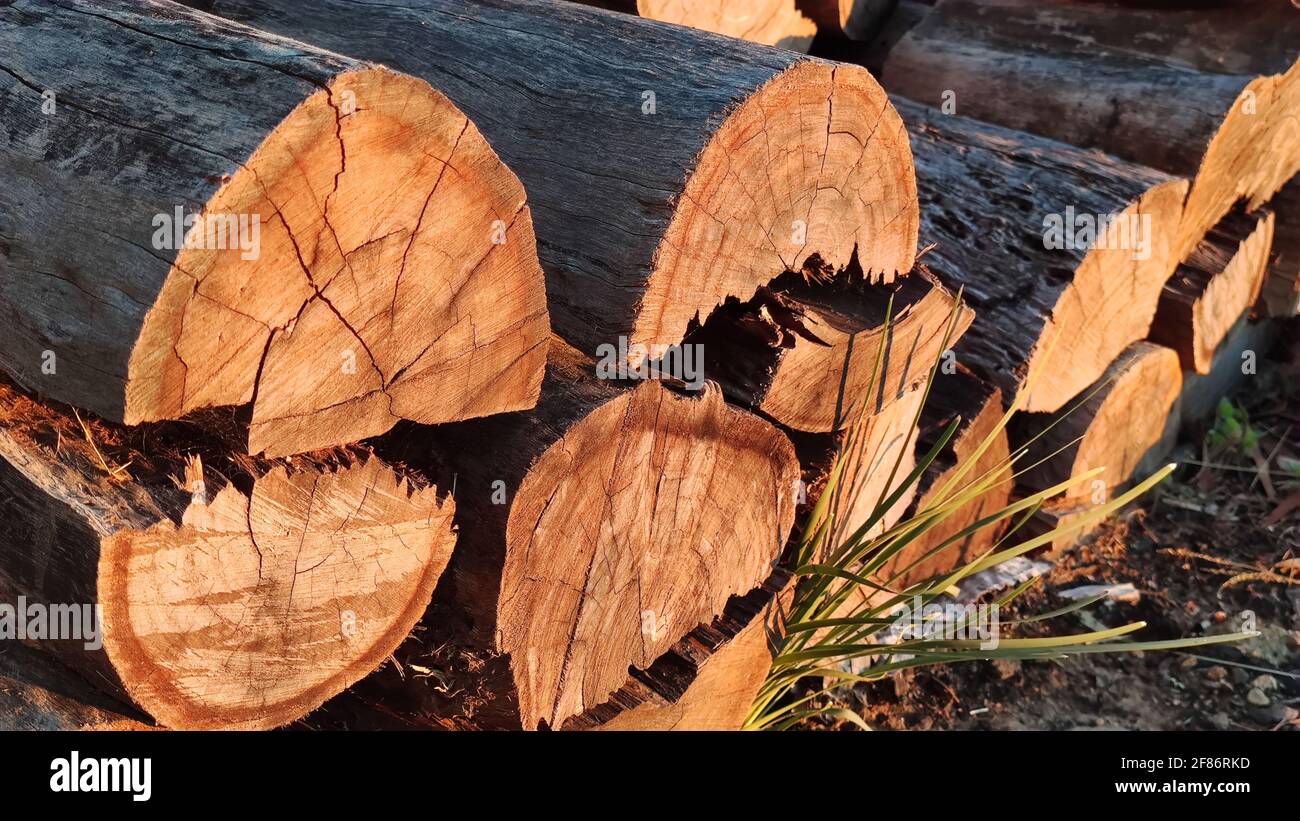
{"type": "Point", "coordinates": [1223, 36]}
{"type": "Point", "coordinates": [38, 693]}
{"type": "Point", "coordinates": [87, 169]}
{"type": "Point", "coordinates": [1078, 74]}
{"type": "Point", "coordinates": [1075, 74]}
{"type": "Point", "coordinates": [607, 119]}
{"type": "Point", "coordinates": [986, 193]}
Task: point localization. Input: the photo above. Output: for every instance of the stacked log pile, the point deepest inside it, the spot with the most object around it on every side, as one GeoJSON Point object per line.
{"type": "Point", "coordinates": [1209, 94]}
{"type": "Point", "coordinates": [560, 322]}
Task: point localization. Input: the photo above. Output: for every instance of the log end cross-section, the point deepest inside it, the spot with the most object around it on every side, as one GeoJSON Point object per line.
{"type": "Point", "coordinates": [814, 168]}
{"type": "Point", "coordinates": [1112, 425]}
{"type": "Point", "coordinates": [629, 531]}
{"type": "Point", "coordinates": [396, 278]}
{"type": "Point", "coordinates": [258, 608]}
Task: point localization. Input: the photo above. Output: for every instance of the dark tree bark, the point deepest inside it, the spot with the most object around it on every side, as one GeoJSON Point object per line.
{"type": "Point", "coordinates": [1008, 214]}
{"type": "Point", "coordinates": [1229, 125]}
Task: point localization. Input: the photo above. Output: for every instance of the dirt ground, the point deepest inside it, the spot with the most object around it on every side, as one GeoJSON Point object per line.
{"type": "Point", "coordinates": [1211, 551]}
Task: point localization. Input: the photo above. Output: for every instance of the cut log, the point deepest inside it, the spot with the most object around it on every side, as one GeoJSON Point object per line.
{"type": "Point", "coordinates": [1059, 513]}
{"type": "Point", "coordinates": [340, 248]}
{"type": "Point", "coordinates": [1281, 295]}
{"type": "Point", "coordinates": [770, 22]}
{"type": "Point", "coordinates": [874, 51]}
{"type": "Point", "coordinates": [1224, 36]}
{"type": "Point", "coordinates": [784, 352]}
{"type": "Point", "coordinates": [602, 527]}
{"type": "Point", "coordinates": [851, 19]}
{"type": "Point", "coordinates": [1113, 425]}
{"type": "Point", "coordinates": [236, 606]}
{"type": "Point", "coordinates": [1060, 251]}
{"type": "Point", "coordinates": [690, 192]}
{"type": "Point", "coordinates": [977, 403]}
{"type": "Point", "coordinates": [1236, 134]}
{"type": "Point", "coordinates": [1217, 284]}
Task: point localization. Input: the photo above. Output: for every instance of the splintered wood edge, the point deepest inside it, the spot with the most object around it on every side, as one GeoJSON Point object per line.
{"type": "Point", "coordinates": [806, 385]}
{"type": "Point", "coordinates": [770, 22]}
{"type": "Point", "coordinates": [1230, 294]}
{"type": "Point", "coordinates": [1145, 383]}
{"type": "Point", "coordinates": [726, 239]}
{"type": "Point", "coordinates": [726, 682]}
{"type": "Point", "coordinates": [397, 279]}
{"type": "Point", "coordinates": [693, 502]}
{"type": "Point", "coordinates": [1109, 304]}
{"type": "Point", "coordinates": [197, 618]}
{"type": "Point", "coordinates": [1253, 154]}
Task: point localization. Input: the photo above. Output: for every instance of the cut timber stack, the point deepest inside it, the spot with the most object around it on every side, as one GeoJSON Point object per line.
{"type": "Point", "coordinates": [279, 522]}
{"type": "Point", "coordinates": [241, 600]}
{"type": "Point", "coordinates": [1217, 114]}
{"type": "Point", "coordinates": [770, 22]}
{"type": "Point", "coordinates": [989, 199]}
{"type": "Point", "coordinates": [655, 196]}
{"type": "Point", "coordinates": [602, 526]}
{"type": "Point", "coordinates": [386, 284]}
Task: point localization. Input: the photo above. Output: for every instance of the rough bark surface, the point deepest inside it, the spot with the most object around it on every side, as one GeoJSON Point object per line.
{"type": "Point", "coordinates": [989, 200]}
{"type": "Point", "coordinates": [39, 693]}
{"type": "Point", "coordinates": [1235, 133]}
